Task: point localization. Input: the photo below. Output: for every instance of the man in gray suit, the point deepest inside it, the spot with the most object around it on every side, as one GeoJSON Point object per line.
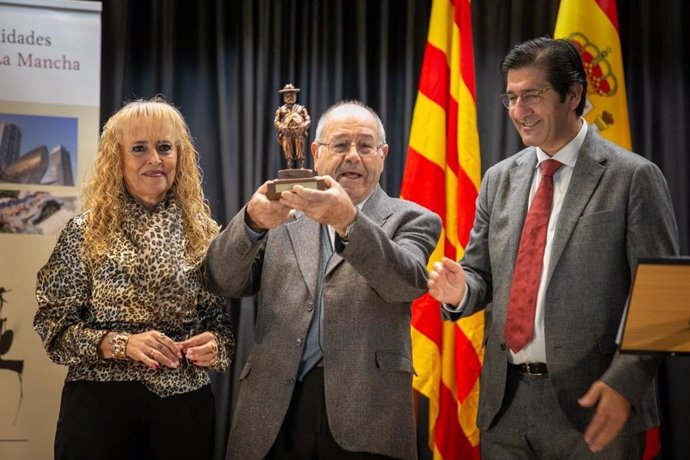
{"type": "Point", "coordinates": [329, 375]}
{"type": "Point", "coordinates": [564, 392]}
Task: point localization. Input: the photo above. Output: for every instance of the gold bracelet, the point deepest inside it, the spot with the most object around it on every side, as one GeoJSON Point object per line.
{"type": "Point", "coordinates": [217, 360]}
{"type": "Point", "coordinates": [118, 345]}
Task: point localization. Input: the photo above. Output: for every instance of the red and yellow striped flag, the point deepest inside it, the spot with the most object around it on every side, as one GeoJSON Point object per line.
{"type": "Point", "coordinates": [592, 25]}
{"type": "Point", "coordinates": [442, 173]}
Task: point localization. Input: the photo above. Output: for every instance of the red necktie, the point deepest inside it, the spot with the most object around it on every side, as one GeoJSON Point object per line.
{"type": "Point", "coordinates": [523, 293]}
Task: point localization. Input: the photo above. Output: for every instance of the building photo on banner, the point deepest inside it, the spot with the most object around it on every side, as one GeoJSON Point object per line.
{"type": "Point", "coordinates": [49, 115]}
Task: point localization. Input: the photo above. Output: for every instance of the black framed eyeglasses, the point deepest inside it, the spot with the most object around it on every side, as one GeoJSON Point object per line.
{"type": "Point", "coordinates": [340, 147]}
{"type": "Point", "coordinates": [528, 98]}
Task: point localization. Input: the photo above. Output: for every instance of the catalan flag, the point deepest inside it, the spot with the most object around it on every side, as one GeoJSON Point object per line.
{"type": "Point", "coordinates": [592, 25]}
{"type": "Point", "coordinates": [443, 173]}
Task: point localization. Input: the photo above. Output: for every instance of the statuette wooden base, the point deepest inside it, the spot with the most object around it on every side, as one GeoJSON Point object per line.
{"type": "Point", "coordinates": [288, 178]}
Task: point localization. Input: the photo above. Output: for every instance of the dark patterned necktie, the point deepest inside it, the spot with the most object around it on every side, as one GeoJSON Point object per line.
{"type": "Point", "coordinates": [523, 293]}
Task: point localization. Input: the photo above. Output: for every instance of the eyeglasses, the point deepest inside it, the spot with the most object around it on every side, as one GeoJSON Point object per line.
{"type": "Point", "coordinates": [341, 147]}
{"type": "Point", "coordinates": [528, 98]}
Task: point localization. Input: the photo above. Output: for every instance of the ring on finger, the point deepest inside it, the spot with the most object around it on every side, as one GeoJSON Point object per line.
{"type": "Point", "coordinates": [150, 353]}
{"type": "Point", "coordinates": [161, 336]}
{"type": "Point", "coordinates": [214, 347]}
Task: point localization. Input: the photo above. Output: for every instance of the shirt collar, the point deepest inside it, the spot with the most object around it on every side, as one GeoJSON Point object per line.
{"type": "Point", "coordinates": [364, 201]}
{"type": "Point", "coordinates": [568, 154]}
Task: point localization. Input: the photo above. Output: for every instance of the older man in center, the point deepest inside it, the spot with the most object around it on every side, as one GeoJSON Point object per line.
{"type": "Point", "coordinates": [330, 371]}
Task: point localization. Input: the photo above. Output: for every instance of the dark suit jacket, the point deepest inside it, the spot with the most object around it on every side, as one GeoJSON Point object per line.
{"type": "Point", "coordinates": [617, 209]}
{"type": "Point", "coordinates": [368, 288]}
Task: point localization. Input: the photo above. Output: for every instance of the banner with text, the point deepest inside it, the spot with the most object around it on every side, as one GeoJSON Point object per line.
{"type": "Point", "coordinates": [50, 59]}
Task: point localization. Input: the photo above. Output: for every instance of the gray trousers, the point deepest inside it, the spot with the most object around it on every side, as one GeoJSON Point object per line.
{"type": "Point", "coordinates": [531, 425]}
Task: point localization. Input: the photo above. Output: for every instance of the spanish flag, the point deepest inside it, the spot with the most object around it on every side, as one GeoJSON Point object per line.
{"type": "Point", "coordinates": [592, 25]}
{"type": "Point", "coordinates": [442, 173]}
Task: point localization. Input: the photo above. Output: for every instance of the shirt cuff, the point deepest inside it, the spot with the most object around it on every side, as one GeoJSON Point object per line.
{"type": "Point", "coordinates": [253, 234]}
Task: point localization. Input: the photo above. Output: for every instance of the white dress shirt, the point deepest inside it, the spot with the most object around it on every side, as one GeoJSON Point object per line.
{"type": "Point", "coordinates": [535, 351]}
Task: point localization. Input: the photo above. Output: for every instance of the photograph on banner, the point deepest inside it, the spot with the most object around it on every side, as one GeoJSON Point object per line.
{"type": "Point", "coordinates": [35, 212]}
{"type": "Point", "coordinates": [38, 149]}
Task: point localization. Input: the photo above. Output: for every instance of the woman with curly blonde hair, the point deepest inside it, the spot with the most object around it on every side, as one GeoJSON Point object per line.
{"type": "Point", "coordinates": [122, 301]}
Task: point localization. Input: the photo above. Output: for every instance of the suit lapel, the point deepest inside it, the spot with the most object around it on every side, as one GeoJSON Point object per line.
{"type": "Point", "coordinates": [304, 235]}
{"type": "Point", "coordinates": [518, 197]}
{"type": "Point", "coordinates": [375, 209]}
{"type": "Point", "coordinates": [336, 259]}
{"type": "Point", "coordinates": [586, 175]}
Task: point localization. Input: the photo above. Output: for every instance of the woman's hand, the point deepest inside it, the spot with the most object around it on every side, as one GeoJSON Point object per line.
{"type": "Point", "coordinates": [201, 350]}
{"type": "Point", "coordinates": [153, 348]}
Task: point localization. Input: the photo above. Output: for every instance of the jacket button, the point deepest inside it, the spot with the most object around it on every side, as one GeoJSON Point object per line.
{"type": "Point", "coordinates": [503, 346]}
{"type": "Point", "coordinates": [298, 342]}
{"type": "Point", "coordinates": [310, 307]}
{"type": "Point", "coordinates": [290, 381]}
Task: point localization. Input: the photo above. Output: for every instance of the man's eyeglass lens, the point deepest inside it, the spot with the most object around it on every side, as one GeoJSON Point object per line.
{"type": "Point", "coordinates": [342, 147]}
{"type": "Point", "coordinates": [528, 98]}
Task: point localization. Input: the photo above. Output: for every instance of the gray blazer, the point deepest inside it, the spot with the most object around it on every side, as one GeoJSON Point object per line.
{"type": "Point", "coordinates": [368, 288]}
{"type": "Point", "coordinates": [617, 209]}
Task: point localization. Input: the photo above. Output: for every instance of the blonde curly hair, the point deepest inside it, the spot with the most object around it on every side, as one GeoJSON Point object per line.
{"type": "Point", "coordinates": [104, 194]}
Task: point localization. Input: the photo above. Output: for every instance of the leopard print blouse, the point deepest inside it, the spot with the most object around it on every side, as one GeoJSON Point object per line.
{"type": "Point", "coordinates": [143, 283]}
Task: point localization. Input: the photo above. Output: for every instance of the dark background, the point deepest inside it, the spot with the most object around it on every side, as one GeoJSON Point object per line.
{"type": "Point", "coordinates": [223, 62]}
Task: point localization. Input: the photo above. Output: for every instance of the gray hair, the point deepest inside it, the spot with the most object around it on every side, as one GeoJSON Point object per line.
{"type": "Point", "coordinates": [327, 114]}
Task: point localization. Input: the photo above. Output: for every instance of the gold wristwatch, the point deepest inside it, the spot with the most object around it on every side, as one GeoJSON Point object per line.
{"type": "Point", "coordinates": [118, 345]}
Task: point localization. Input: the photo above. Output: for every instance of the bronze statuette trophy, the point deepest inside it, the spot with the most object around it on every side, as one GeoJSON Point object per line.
{"type": "Point", "coordinates": [292, 122]}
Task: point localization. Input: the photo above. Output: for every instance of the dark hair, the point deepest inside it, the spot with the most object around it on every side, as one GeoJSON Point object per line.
{"type": "Point", "coordinates": [561, 60]}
